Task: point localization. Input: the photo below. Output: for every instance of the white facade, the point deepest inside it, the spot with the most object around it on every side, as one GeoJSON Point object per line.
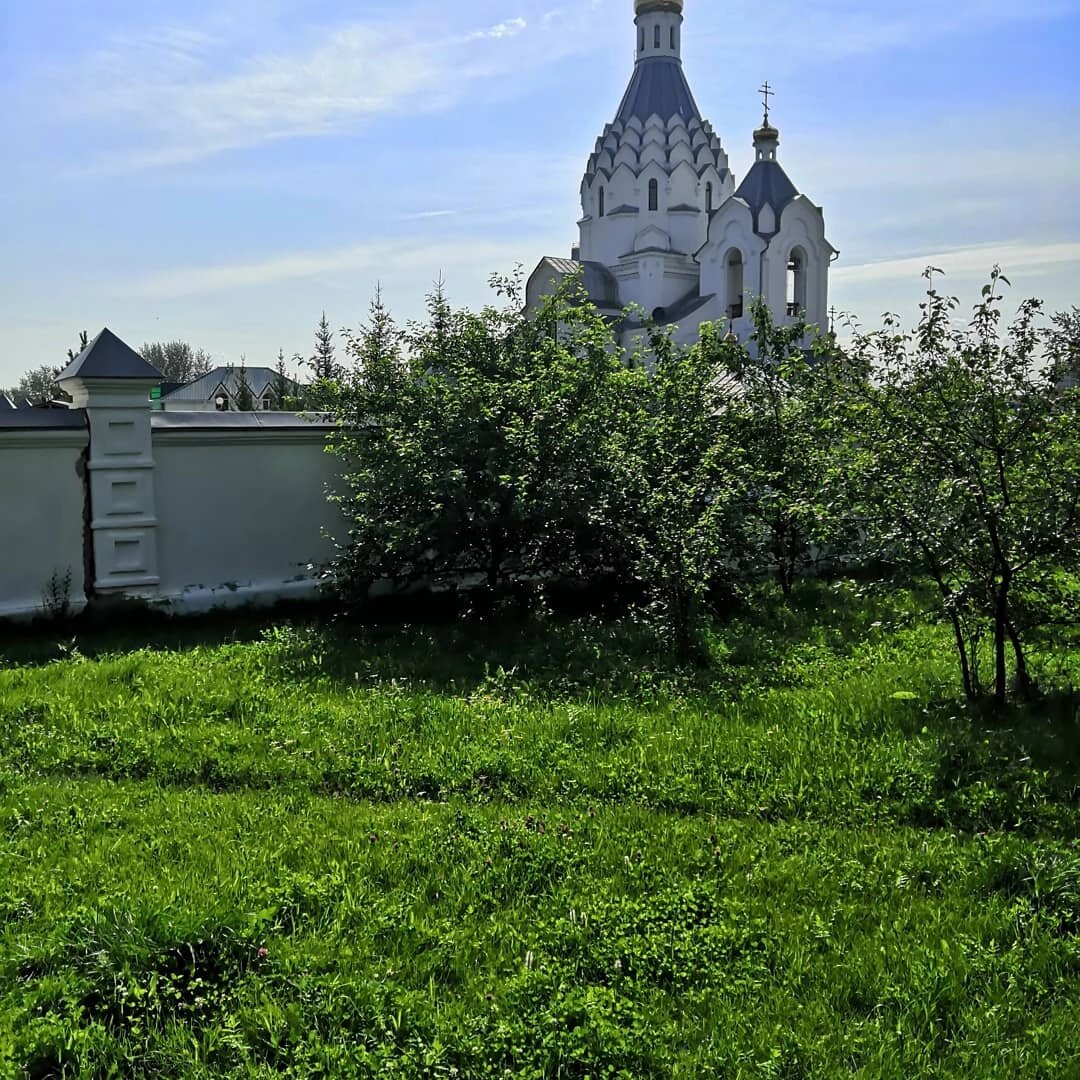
{"type": "Point", "coordinates": [662, 216]}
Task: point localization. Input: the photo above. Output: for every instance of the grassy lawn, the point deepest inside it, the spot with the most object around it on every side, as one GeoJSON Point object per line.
{"type": "Point", "coordinates": [537, 852]}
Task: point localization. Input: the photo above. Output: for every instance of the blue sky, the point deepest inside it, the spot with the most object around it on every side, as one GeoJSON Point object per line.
{"type": "Point", "coordinates": [223, 170]}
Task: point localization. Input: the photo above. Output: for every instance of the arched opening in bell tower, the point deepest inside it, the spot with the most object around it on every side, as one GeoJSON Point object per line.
{"type": "Point", "coordinates": [733, 263]}
{"type": "Point", "coordinates": [796, 282]}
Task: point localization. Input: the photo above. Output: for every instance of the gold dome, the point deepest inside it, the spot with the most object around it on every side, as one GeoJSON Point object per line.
{"type": "Point", "coordinates": [643, 7]}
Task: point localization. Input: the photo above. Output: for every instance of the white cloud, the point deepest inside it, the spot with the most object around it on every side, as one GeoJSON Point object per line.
{"type": "Point", "coordinates": [423, 259]}
{"type": "Point", "coordinates": [175, 105]}
{"type": "Point", "coordinates": [510, 28]}
{"type": "Point", "coordinates": [978, 258]}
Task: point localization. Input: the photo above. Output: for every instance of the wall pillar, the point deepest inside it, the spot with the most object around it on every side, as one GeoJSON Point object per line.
{"type": "Point", "coordinates": [112, 383]}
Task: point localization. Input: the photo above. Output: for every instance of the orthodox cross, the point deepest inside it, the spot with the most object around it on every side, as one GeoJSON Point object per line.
{"type": "Point", "coordinates": [767, 92]}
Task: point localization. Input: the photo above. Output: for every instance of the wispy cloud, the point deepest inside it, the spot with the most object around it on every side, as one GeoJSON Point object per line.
{"type": "Point", "coordinates": [423, 215]}
{"type": "Point", "coordinates": [509, 28]}
{"type": "Point", "coordinates": [177, 107]}
{"type": "Point", "coordinates": [425, 259]}
{"type": "Point", "coordinates": [978, 258]}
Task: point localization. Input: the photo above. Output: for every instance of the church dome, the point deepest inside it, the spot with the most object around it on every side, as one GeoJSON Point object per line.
{"type": "Point", "coordinates": [643, 7]}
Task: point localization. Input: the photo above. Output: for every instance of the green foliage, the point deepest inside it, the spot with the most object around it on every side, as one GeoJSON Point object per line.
{"type": "Point", "coordinates": [475, 447]}
{"type": "Point", "coordinates": [966, 462]}
{"type": "Point", "coordinates": [176, 360]}
{"type": "Point", "coordinates": [538, 851]}
{"type": "Point", "coordinates": [679, 471]}
{"type": "Point", "coordinates": [243, 397]}
{"type": "Point", "coordinates": [786, 418]}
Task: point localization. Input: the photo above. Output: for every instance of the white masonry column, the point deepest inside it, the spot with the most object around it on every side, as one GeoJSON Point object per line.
{"type": "Point", "coordinates": [113, 383]}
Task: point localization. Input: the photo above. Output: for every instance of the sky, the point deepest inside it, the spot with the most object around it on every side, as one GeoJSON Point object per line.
{"type": "Point", "coordinates": [223, 171]}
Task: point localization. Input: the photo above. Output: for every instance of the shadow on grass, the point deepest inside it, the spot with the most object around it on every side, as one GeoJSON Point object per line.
{"type": "Point", "coordinates": [587, 644]}
{"type": "Point", "coordinates": [1015, 769]}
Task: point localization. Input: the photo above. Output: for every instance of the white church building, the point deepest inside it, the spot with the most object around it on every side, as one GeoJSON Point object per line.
{"type": "Point", "coordinates": [664, 226]}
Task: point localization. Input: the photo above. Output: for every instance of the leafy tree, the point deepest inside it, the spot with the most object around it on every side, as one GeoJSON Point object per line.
{"type": "Point", "coordinates": [966, 464]}
{"type": "Point", "coordinates": [784, 416]}
{"type": "Point", "coordinates": [39, 386]}
{"type": "Point", "coordinates": [679, 476]}
{"type": "Point", "coordinates": [176, 360]}
{"type": "Point", "coordinates": [1065, 347]}
{"type": "Point", "coordinates": [475, 446]}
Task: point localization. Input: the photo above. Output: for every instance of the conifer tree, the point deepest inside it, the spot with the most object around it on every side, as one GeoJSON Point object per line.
{"type": "Point", "coordinates": [323, 365]}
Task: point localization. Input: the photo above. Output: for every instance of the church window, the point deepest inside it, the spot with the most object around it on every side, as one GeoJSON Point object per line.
{"type": "Point", "coordinates": [673, 38]}
{"type": "Point", "coordinates": [654, 195]}
{"type": "Point", "coordinates": [656, 37]}
{"type": "Point", "coordinates": [641, 40]}
{"type": "Point", "coordinates": [601, 202]}
{"type": "Point", "coordinates": [734, 263]}
{"type": "Point", "coordinates": [796, 282]}
{"type": "Point", "coordinates": [708, 198]}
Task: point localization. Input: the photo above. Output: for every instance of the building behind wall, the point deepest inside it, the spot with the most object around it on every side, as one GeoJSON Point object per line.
{"type": "Point", "coordinates": [666, 228]}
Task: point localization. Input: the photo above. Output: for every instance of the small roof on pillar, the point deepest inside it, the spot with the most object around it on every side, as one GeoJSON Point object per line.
{"type": "Point", "coordinates": [107, 357]}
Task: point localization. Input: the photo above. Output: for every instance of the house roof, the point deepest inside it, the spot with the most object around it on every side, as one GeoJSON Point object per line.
{"type": "Point", "coordinates": [259, 379]}
{"type": "Point", "coordinates": [6, 404]}
{"type": "Point", "coordinates": [658, 86]}
{"type": "Point", "coordinates": [107, 357]}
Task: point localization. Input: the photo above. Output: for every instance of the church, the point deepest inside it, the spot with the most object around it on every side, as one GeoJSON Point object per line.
{"type": "Point", "coordinates": [666, 231]}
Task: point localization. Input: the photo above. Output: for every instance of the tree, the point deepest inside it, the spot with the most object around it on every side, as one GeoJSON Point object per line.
{"type": "Point", "coordinates": [784, 416]}
{"type": "Point", "coordinates": [324, 367]}
{"type": "Point", "coordinates": [1065, 347]}
{"type": "Point", "coordinates": [475, 446]}
{"type": "Point", "coordinates": [243, 398]}
{"type": "Point", "coordinates": [679, 476]}
{"type": "Point", "coordinates": [283, 387]}
{"type": "Point", "coordinates": [966, 464]}
{"type": "Point", "coordinates": [176, 360]}
{"type": "Point", "coordinates": [39, 386]}
{"type": "Point", "coordinates": [84, 343]}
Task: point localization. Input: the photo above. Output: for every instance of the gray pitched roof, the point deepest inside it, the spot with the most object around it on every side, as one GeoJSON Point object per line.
{"type": "Point", "coordinates": [658, 86]}
{"type": "Point", "coordinates": [107, 357]}
{"type": "Point", "coordinates": [206, 386]}
{"type": "Point", "coordinates": [766, 182]}
{"type": "Point", "coordinates": [6, 404]}
{"type": "Point", "coordinates": [598, 280]}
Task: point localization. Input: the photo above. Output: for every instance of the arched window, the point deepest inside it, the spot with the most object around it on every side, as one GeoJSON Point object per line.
{"type": "Point", "coordinates": [673, 38]}
{"type": "Point", "coordinates": [796, 283]}
{"type": "Point", "coordinates": [600, 203]}
{"type": "Point", "coordinates": [656, 36]}
{"type": "Point", "coordinates": [654, 195]}
{"type": "Point", "coordinates": [708, 198]}
{"type": "Point", "coordinates": [734, 266]}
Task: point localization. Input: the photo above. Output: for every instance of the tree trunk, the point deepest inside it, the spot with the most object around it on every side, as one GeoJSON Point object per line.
{"type": "Point", "coordinates": [1001, 632]}
{"type": "Point", "coordinates": [970, 690]}
{"type": "Point", "coordinates": [1023, 676]}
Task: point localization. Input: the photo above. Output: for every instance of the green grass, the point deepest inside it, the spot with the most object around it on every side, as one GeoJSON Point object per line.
{"type": "Point", "coordinates": [537, 851]}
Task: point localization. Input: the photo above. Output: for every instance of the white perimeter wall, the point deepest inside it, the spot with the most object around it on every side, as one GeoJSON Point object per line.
{"type": "Point", "coordinates": [242, 514]}
{"type": "Point", "coordinates": [41, 517]}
